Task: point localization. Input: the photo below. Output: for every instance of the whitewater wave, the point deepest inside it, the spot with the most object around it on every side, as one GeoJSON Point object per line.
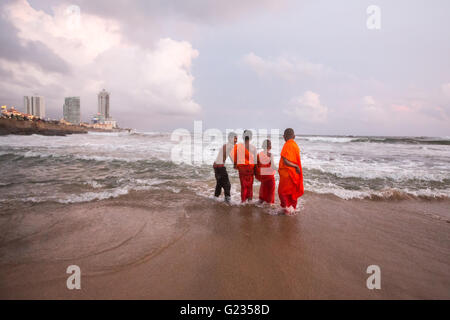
{"type": "Point", "coordinates": [387, 140]}
{"type": "Point", "coordinates": [395, 140]}
{"type": "Point", "coordinates": [205, 191]}
{"type": "Point", "coordinates": [99, 166]}
{"type": "Point", "coordinates": [109, 134]}
{"type": "Point", "coordinates": [328, 139]}
{"type": "Point", "coordinates": [93, 196]}
{"type": "Point", "coordinates": [152, 133]}
{"type": "Point", "coordinates": [402, 171]}
{"type": "Point", "coordinates": [40, 154]}
{"type": "Point", "coordinates": [368, 172]}
{"type": "Point", "coordinates": [384, 194]}
{"type": "Point", "coordinates": [94, 184]}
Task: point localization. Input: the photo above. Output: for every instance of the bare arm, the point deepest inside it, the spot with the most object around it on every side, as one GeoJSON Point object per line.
{"type": "Point", "coordinates": [235, 158]}
{"type": "Point", "coordinates": [224, 153]}
{"type": "Point", "coordinates": [272, 162]}
{"type": "Point", "coordinates": [254, 151]}
{"type": "Point", "coordinates": [291, 164]}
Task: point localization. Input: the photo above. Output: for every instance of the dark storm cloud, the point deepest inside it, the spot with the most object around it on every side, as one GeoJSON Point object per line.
{"type": "Point", "coordinates": [194, 10]}
{"type": "Point", "coordinates": [144, 21]}
{"type": "Point", "coordinates": [33, 52]}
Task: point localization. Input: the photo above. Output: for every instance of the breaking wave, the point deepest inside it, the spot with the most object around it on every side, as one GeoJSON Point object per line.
{"type": "Point", "coordinates": [445, 141]}
{"type": "Point", "coordinates": [99, 166]}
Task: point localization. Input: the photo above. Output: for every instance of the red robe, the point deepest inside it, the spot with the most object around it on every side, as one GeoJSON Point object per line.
{"type": "Point", "coordinates": [266, 175]}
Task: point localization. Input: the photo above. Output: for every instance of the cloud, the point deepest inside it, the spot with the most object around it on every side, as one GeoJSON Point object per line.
{"type": "Point", "coordinates": [383, 110]}
{"type": "Point", "coordinates": [307, 108]}
{"type": "Point", "coordinates": [144, 82]}
{"type": "Point", "coordinates": [159, 80]}
{"type": "Point", "coordinates": [372, 112]}
{"type": "Point", "coordinates": [34, 52]}
{"type": "Point", "coordinates": [202, 11]}
{"type": "Point", "coordinates": [144, 54]}
{"type": "Point", "coordinates": [401, 108]}
{"type": "Point", "coordinates": [144, 21]}
{"type": "Point", "coordinates": [368, 102]}
{"type": "Point", "coordinates": [446, 89]}
{"type": "Point", "coordinates": [76, 43]}
{"type": "Point", "coordinates": [389, 112]}
{"type": "Point", "coordinates": [287, 68]}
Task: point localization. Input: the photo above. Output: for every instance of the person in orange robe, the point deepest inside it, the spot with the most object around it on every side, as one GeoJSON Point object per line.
{"type": "Point", "coordinates": [243, 158]}
{"type": "Point", "coordinates": [265, 172]}
{"type": "Point", "coordinates": [290, 187]}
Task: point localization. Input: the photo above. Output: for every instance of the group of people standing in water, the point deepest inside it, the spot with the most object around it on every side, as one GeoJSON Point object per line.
{"type": "Point", "coordinates": [261, 166]}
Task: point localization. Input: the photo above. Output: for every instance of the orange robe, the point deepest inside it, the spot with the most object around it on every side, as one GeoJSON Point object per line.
{"type": "Point", "coordinates": [291, 183]}
{"type": "Point", "coordinates": [243, 159]}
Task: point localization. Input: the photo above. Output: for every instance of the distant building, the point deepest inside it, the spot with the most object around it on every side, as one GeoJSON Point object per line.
{"type": "Point", "coordinates": [34, 105]}
{"type": "Point", "coordinates": [98, 118]}
{"type": "Point", "coordinates": [103, 117]}
{"type": "Point", "coordinates": [27, 105]}
{"type": "Point", "coordinates": [71, 110]}
{"type": "Point", "coordinates": [103, 104]}
{"type": "Point", "coordinates": [13, 113]}
{"type": "Point", "coordinates": [111, 122]}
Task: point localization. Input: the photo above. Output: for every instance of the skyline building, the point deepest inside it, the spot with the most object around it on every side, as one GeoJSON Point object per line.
{"type": "Point", "coordinates": [71, 110]}
{"type": "Point", "coordinates": [34, 105]}
{"type": "Point", "coordinates": [27, 105]}
{"type": "Point", "coordinates": [103, 104]}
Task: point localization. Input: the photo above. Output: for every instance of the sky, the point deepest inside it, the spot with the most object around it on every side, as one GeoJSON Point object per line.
{"type": "Point", "coordinates": [320, 67]}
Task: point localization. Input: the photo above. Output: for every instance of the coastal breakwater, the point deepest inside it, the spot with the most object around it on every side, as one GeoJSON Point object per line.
{"type": "Point", "coordinates": [23, 127]}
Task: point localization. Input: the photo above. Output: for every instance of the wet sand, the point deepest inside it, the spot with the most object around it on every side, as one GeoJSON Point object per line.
{"type": "Point", "coordinates": [156, 245]}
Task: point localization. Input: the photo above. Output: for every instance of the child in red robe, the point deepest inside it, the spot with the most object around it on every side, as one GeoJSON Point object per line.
{"type": "Point", "coordinates": [265, 173]}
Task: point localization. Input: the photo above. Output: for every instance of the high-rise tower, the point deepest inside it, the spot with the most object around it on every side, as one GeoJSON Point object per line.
{"type": "Point", "coordinates": [34, 105]}
{"type": "Point", "coordinates": [71, 110]}
{"type": "Point", "coordinates": [103, 104]}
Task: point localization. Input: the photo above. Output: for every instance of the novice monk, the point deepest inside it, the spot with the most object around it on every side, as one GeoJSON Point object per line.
{"type": "Point", "coordinates": [291, 173]}
{"type": "Point", "coordinates": [220, 171]}
{"type": "Point", "coordinates": [265, 173]}
{"type": "Point", "coordinates": [243, 157]}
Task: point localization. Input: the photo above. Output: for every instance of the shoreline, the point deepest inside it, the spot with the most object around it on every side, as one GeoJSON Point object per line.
{"type": "Point", "coordinates": [157, 245]}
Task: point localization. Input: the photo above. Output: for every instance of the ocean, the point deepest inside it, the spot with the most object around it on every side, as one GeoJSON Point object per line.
{"type": "Point", "coordinates": [95, 166]}
{"type": "Point", "coordinates": [140, 224]}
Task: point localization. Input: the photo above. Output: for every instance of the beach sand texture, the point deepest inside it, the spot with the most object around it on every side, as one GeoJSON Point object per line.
{"type": "Point", "coordinates": [152, 245]}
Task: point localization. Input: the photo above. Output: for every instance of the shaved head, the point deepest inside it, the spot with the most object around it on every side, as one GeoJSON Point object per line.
{"type": "Point", "coordinates": [247, 135]}
{"type": "Point", "coordinates": [267, 144]}
{"type": "Point", "coordinates": [231, 136]}
{"type": "Point", "coordinates": [289, 134]}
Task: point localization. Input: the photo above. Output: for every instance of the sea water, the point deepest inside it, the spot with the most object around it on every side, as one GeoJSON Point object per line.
{"type": "Point", "coordinates": [95, 166]}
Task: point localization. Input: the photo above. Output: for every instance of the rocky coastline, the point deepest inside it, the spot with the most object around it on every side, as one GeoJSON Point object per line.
{"type": "Point", "coordinates": [49, 128]}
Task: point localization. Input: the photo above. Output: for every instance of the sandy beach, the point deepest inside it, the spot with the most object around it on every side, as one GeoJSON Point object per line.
{"type": "Point", "coordinates": [152, 245]}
